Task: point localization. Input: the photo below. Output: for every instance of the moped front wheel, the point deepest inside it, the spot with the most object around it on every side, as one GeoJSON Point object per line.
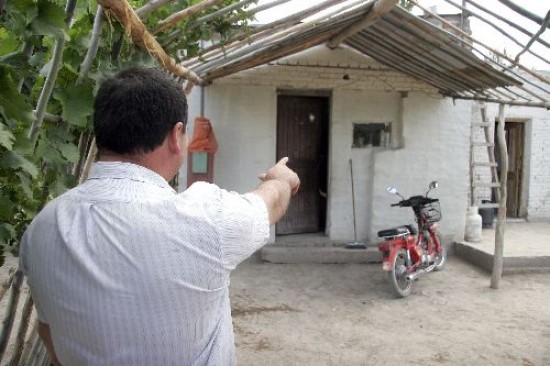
{"type": "Point", "coordinates": [397, 276]}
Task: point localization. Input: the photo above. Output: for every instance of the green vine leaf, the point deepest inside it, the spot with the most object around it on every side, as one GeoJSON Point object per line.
{"type": "Point", "coordinates": [12, 104]}
{"type": "Point", "coordinates": [77, 102]}
{"type": "Point", "coordinates": [12, 160]}
{"type": "Point", "coordinates": [6, 208]}
{"type": "Point", "coordinates": [6, 137]}
{"type": "Point", "coordinates": [27, 8]}
{"type": "Point", "coordinates": [69, 152]}
{"type": "Point", "coordinates": [50, 20]}
{"type": "Point", "coordinates": [26, 184]}
{"type": "Point", "coordinates": [7, 233]}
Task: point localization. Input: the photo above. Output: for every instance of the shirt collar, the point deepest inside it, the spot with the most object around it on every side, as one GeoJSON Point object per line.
{"type": "Point", "coordinates": [119, 170]}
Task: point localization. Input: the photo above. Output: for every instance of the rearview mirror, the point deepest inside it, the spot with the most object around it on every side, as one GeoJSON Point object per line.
{"type": "Point", "coordinates": [392, 190]}
{"type": "Point", "coordinates": [434, 184]}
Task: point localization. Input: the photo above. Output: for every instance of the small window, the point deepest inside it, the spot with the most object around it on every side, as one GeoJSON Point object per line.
{"type": "Point", "coordinates": [371, 135]}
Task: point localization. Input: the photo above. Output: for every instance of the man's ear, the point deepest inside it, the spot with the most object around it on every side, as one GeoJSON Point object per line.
{"type": "Point", "coordinates": [177, 138]}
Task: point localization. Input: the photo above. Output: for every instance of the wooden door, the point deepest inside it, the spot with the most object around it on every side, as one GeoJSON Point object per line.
{"type": "Point", "coordinates": [515, 145]}
{"type": "Point", "coordinates": [514, 141]}
{"type": "Point", "coordinates": [302, 135]}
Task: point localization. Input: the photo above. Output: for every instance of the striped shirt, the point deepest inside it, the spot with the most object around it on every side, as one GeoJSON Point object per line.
{"type": "Point", "coordinates": [127, 272]}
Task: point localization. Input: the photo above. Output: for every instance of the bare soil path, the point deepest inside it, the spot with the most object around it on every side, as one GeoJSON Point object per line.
{"type": "Point", "coordinates": [346, 315]}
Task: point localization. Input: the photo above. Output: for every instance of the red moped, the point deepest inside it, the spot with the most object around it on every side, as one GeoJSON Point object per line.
{"type": "Point", "coordinates": [410, 253]}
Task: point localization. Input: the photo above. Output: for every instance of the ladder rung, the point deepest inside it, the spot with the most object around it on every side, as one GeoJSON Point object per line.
{"type": "Point", "coordinates": [484, 163]}
{"type": "Point", "coordinates": [475, 143]}
{"type": "Point", "coordinates": [485, 185]}
{"type": "Point", "coordinates": [488, 205]}
{"type": "Point", "coordinates": [482, 124]}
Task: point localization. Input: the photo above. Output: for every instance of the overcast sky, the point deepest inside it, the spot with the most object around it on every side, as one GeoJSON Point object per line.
{"type": "Point", "coordinates": [481, 31]}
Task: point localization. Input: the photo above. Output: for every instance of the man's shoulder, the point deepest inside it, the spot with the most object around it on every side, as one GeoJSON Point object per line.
{"type": "Point", "coordinates": [203, 190]}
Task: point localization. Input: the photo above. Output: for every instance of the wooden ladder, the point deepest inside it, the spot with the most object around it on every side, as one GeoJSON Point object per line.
{"type": "Point", "coordinates": [475, 164]}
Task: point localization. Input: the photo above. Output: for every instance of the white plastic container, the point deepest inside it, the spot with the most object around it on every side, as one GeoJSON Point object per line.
{"type": "Point", "coordinates": [472, 232]}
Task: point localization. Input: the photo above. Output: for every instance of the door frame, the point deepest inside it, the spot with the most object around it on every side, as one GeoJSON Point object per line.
{"type": "Point", "coordinates": [523, 184]}
{"type": "Point", "coordinates": [321, 93]}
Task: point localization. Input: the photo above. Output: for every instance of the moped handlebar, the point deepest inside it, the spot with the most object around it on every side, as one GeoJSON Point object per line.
{"type": "Point", "coordinates": [414, 201]}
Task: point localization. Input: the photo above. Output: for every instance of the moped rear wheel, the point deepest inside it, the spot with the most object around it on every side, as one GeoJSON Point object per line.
{"type": "Point", "coordinates": [397, 276]}
{"type": "Point", "coordinates": [441, 258]}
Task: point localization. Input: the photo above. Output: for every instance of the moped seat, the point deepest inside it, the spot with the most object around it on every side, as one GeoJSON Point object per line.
{"type": "Point", "coordinates": [400, 230]}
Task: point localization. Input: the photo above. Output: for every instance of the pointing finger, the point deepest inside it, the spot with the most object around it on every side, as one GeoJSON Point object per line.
{"type": "Point", "coordinates": [283, 161]}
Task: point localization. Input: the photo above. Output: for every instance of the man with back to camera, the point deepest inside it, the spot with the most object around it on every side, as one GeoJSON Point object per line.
{"type": "Point", "coordinates": [125, 271]}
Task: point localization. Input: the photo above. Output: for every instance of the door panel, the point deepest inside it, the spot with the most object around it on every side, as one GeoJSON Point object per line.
{"type": "Point", "coordinates": [302, 135]}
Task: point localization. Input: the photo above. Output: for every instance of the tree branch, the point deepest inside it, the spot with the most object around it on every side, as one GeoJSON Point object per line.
{"type": "Point", "coordinates": [47, 89]}
{"type": "Point", "coordinates": [94, 45]}
{"type": "Point", "coordinates": [123, 11]}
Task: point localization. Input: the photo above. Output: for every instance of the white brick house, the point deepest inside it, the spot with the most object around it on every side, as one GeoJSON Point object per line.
{"type": "Point", "coordinates": [430, 139]}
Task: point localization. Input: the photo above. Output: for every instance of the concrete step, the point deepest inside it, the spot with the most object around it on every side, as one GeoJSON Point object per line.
{"type": "Point", "coordinates": [511, 264]}
{"type": "Point", "coordinates": [319, 254]}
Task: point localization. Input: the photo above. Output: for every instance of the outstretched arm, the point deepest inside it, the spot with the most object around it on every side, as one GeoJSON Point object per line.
{"type": "Point", "coordinates": [279, 183]}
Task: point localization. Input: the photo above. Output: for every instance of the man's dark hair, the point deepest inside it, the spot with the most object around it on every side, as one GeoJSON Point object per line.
{"type": "Point", "coordinates": [135, 109]}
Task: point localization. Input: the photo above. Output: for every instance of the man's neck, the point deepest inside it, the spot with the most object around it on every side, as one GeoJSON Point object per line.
{"type": "Point", "coordinates": [141, 159]}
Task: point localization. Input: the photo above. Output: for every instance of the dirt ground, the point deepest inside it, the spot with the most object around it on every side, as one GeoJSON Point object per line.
{"type": "Point", "coordinates": [347, 315]}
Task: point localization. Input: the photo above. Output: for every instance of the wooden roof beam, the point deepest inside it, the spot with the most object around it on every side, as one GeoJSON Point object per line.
{"type": "Point", "coordinates": [263, 30]}
{"type": "Point", "coordinates": [379, 8]}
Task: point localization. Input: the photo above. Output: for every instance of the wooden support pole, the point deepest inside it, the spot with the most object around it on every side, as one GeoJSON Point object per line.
{"type": "Point", "coordinates": [379, 8]}
{"type": "Point", "coordinates": [498, 257]}
{"type": "Point", "coordinates": [126, 15]}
